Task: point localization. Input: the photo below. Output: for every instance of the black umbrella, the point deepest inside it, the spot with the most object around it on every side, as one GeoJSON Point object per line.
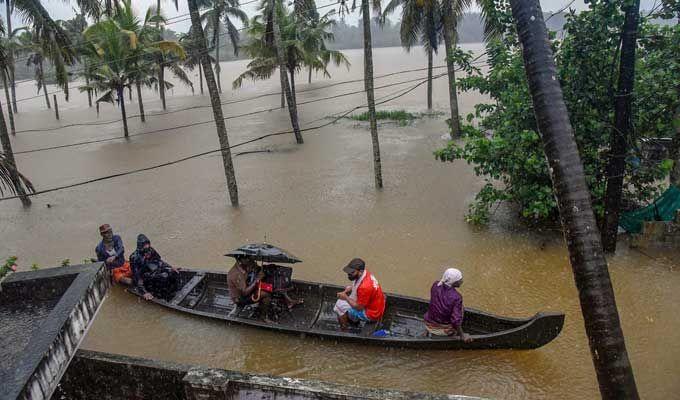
{"type": "Point", "coordinates": [265, 252]}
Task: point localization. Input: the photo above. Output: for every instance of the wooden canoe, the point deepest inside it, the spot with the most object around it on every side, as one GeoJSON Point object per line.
{"type": "Point", "coordinates": [206, 294]}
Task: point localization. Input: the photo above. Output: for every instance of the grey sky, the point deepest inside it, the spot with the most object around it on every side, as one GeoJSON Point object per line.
{"type": "Point", "coordinates": [60, 9]}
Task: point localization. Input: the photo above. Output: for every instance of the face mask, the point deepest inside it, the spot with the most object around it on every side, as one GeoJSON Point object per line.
{"type": "Point", "coordinates": [351, 277]}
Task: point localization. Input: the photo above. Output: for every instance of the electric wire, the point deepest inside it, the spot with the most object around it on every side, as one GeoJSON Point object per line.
{"type": "Point", "coordinates": [204, 153]}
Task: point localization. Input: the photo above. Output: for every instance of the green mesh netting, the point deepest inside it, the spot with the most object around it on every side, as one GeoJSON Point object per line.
{"type": "Point", "coordinates": [662, 209]}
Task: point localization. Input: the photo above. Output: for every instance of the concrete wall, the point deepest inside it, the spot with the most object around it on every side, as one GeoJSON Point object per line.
{"type": "Point", "coordinates": [104, 376]}
{"type": "Point", "coordinates": [659, 234]}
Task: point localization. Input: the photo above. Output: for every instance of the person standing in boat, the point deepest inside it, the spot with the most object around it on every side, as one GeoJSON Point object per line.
{"type": "Point", "coordinates": [111, 251]}
{"type": "Point", "coordinates": [444, 316]}
{"type": "Point", "coordinates": [152, 275]}
{"type": "Point", "coordinates": [363, 300]}
{"type": "Point", "coordinates": [244, 291]}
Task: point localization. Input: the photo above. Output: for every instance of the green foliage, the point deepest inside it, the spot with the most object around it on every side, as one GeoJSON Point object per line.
{"type": "Point", "coordinates": [8, 266]}
{"type": "Point", "coordinates": [303, 42]}
{"type": "Point", "coordinates": [35, 267]}
{"type": "Point", "coordinates": [393, 115]}
{"type": "Point", "coordinates": [501, 139]}
{"type": "Point", "coordinates": [66, 262]}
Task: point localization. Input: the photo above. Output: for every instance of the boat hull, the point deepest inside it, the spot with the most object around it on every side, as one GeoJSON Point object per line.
{"type": "Point", "coordinates": [205, 294]}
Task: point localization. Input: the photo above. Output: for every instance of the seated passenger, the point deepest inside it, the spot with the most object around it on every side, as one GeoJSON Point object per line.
{"type": "Point", "coordinates": [244, 288]}
{"type": "Point", "coordinates": [363, 300]}
{"type": "Point", "coordinates": [444, 316]}
{"type": "Point", "coordinates": [152, 276]}
{"type": "Point", "coordinates": [111, 251]}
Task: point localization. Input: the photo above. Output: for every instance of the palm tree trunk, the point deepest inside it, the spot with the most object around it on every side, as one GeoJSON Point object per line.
{"type": "Point", "coordinates": [10, 57]}
{"type": "Point", "coordinates": [89, 92]}
{"type": "Point", "coordinates": [370, 95]}
{"type": "Point", "coordinates": [429, 78]}
{"type": "Point", "coordinates": [292, 106]}
{"type": "Point", "coordinates": [598, 305]}
{"type": "Point", "coordinates": [623, 127]}
{"type": "Point", "coordinates": [450, 43]}
{"type": "Point", "coordinates": [9, 155]}
{"type": "Point", "coordinates": [9, 103]}
{"type": "Point", "coordinates": [309, 80]}
{"type": "Point", "coordinates": [121, 96]}
{"type": "Point", "coordinates": [108, 8]}
{"type": "Point", "coordinates": [218, 69]}
{"type": "Point", "coordinates": [283, 91]}
{"type": "Point", "coordinates": [292, 85]}
{"type": "Point", "coordinates": [161, 84]}
{"type": "Point", "coordinates": [200, 77]}
{"type": "Point", "coordinates": [216, 104]}
{"type": "Point", "coordinates": [42, 79]}
{"type": "Point", "coordinates": [130, 93]}
{"type": "Point", "coordinates": [139, 100]}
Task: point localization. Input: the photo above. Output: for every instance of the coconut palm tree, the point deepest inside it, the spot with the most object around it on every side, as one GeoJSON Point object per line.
{"type": "Point", "coordinates": [160, 59]}
{"type": "Point", "coordinates": [368, 79]}
{"type": "Point", "coordinates": [420, 23]}
{"type": "Point", "coordinates": [35, 57]}
{"type": "Point", "coordinates": [122, 48]}
{"type": "Point", "coordinates": [303, 46]}
{"type": "Point", "coordinates": [197, 30]}
{"type": "Point", "coordinates": [603, 327]}
{"type": "Point", "coordinates": [220, 16]}
{"type": "Point", "coordinates": [193, 51]}
{"type": "Point", "coordinates": [9, 176]}
{"type": "Point", "coordinates": [9, 44]}
{"type": "Point", "coordinates": [623, 126]}
{"type": "Point", "coordinates": [51, 35]}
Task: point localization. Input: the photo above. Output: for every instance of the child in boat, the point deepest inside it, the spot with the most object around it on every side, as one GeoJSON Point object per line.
{"type": "Point", "coordinates": [111, 251]}
{"type": "Point", "coordinates": [244, 291]}
{"type": "Point", "coordinates": [444, 316]}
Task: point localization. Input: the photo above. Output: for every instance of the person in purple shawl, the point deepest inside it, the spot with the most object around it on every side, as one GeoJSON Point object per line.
{"type": "Point", "coordinates": [444, 316]}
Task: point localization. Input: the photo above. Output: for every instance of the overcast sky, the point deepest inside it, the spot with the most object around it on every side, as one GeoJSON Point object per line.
{"type": "Point", "coordinates": [60, 9]}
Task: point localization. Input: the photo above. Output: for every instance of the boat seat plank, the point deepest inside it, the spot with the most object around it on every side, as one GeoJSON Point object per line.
{"type": "Point", "coordinates": [179, 296]}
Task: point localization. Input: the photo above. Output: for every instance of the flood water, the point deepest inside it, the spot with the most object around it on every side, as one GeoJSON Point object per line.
{"type": "Point", "coordinates": [318, 201]}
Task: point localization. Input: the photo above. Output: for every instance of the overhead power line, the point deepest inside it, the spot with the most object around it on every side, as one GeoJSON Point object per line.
{"type": "Point", "coordinates": [183, 159]}
{"type": "Point", "coordinates": [227, 102]}
{"type": "Point", "coordinates": [250, 113]}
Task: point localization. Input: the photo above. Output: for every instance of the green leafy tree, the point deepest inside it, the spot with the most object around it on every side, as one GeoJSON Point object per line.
{"type": "Point", "coordinates": [420, 23]}
{"type": "Point", "coordinates": [501, 137]}
{"type": "Point", "coordinates": [596, 294]}
{"type": "Point", "coordinates": [220, 16]}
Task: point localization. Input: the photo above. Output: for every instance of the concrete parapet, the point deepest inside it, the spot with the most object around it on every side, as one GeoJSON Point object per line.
{"type": "Point", "coordinates": [45, 315]}
{"type": "Point", "coordinates": [94, 375]}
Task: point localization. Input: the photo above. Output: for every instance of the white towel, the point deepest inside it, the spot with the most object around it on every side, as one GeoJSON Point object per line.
{"type": "Point", "coordinates": [342, 306]}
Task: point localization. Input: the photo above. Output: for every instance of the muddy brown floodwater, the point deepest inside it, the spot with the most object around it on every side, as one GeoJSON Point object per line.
{"type": "Point", "coordinates": [318, 201]}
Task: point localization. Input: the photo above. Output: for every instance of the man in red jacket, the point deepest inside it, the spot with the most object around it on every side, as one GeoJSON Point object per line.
{"type": "Point", "coordinates": [363, 300]}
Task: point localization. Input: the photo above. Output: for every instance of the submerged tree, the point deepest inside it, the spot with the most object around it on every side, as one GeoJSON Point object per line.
{"type": "Point", "coordinates": [623, 126]}
{"type": "Point", "coordinates": [501, 139]}
{"type": "Point", "coordinates": [420, 23]}
{"type": "Point", "coordinates": [221, 16]}
{"type": "Point", "coordinates": [603, 327]}
{"type": "Point", "coordinates": [220, 125]}
{"type": "Point", "coordinates": [303, 46]}
{"type": "Point", "coordinates": [121, 49]}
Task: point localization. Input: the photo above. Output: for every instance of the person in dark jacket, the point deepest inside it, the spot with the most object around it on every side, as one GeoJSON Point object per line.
{"type": "Point", "coordinates": [111, 251]}
{"type": "Point", "coordinates": [152, 275]}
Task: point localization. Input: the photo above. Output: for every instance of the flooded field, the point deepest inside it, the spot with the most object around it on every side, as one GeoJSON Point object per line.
{"type": "Point", "coordinates": [318, 201]}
